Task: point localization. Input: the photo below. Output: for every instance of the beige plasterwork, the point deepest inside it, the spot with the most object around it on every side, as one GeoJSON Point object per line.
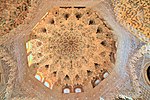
{"type": "Point", "coordinates": [72, 41]}
{"type": "Point", "coordinates": [123, 76]}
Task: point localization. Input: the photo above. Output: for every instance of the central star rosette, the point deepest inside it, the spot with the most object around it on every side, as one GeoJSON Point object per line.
{"type": "Point", "coordinates": [67, 45]}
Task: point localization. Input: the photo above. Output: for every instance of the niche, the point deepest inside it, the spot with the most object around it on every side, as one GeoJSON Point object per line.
{"type": "Point", "coordinates": [99, 30]}
{"type": "Point", "coordinates": [43, 30]}
{"type": "Point", "coordinates": [46, 66]}
{"type": "Point", "coordinates": [77, 77]}
{"type": "Point", "coordinates": [89, 72]}
{"type": "Point", "coordinates": [66, 77]}
{"type": "Point", "coordinates": [66, 16]}
{"type": "Point", "coordinates": [91, 22]}
{"type": "Point", "coordinates": [97, 66]}
{"type": "Point", "coordinates": [52, 21]}
{"type": "Point", "coordinates": [78, 15]}
{"type": "Point", "coordinates": [104, 43]}
{"type": "Point", "coordinates": [54, 73]}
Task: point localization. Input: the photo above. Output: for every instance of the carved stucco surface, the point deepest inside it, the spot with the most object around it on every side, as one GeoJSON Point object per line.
{"type": "Point", "coordinates": [134, 16]}
{"type": "Point", "coordinates": [122, 80]}
{"type": "Point", "coordinates": [72, 44]}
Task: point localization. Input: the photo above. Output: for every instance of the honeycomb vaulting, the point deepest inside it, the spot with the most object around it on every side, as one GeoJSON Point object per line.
{"type": "Point", "coordinates": [72, 45]}
{"type": "Point", "coordinates": [74, 50]}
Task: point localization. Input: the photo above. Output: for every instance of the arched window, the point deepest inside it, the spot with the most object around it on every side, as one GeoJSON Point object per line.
{"type": "Point", "coordinates": [78, 90]}
{"type": "Point", "coordinates": [97, 82]}
{"type": "Point", "coordinates": [105, 75]}
{"type": "Point", "coordinates": [30, 58]}
{"type": "Point", "coordinates": [28, 46]}
{"type": "Point", "coordinates": [66, 90]}
{"type": "Point", "coordinates": [39, 77]}
{"type": "Point", "coordinates": [47, 84]}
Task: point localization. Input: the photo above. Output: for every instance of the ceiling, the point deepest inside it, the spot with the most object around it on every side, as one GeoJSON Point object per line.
{"type": "Point", "coordinates": [75, 50]}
